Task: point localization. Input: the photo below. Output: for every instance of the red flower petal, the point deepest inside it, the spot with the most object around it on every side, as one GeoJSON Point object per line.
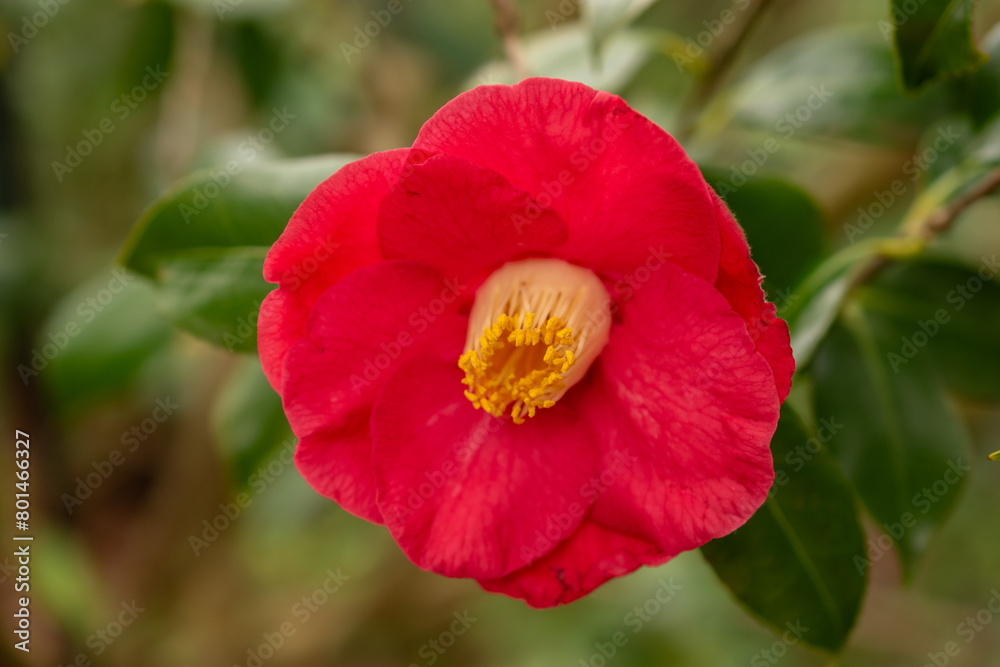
{"type": "Point", "coordinates": [681, 389]}
{"type": "Point", "coordinates": [466, 494]}
{"type": "Point", "coordinates": [592, 556]}
{"type": "Point", "coordinates": [331, 234]}
{"type": "Point", "coordinates": [624, 187]}
{"type": "Point", "coordinates": [359, 333]}
{"type": "Point", "coordinates": [337, 463]}
{"type": "Point", "coordinates": [739, 281]}
{"type": "Point", "coordinates": [462, 219]}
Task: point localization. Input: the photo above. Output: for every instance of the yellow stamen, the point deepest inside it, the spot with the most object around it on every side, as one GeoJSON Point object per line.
{"type": "Point", "coordinates": [543, 322]}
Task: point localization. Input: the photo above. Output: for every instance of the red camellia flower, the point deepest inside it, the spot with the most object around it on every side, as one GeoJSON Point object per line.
{"type": "Point", "coordinates": [533, 345]}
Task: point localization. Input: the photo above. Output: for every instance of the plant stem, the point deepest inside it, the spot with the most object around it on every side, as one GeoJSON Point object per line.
{"type": "Point", "coordinates": [938, 221]}
{"type": "Point", "coordinates": [505, 19]}
{"type": "Point", "coordinates": [728, 47]}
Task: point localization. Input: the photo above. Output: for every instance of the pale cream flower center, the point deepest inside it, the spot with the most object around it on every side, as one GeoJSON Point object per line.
{"type": "Point", "coordinates": [535, 328]}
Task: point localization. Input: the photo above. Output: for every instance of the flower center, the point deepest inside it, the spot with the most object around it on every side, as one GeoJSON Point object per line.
{"type": "Point", "coordinates": [535, 328]}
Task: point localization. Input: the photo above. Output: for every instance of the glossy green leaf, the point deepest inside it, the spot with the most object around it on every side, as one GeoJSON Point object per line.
{"type": "Point", "coordinates": [902, 445]}
{"type": "Point", "coordinates": [203, 243]}
{"type": "Point", "coordinates": [810, 324]}
{"type": "Point", "coordinates": [215, 294]}
{"type": "Point", "coordinates": [248, 421]}
{"type": "Point", "coordinates": [225, 208]}
{"type": "Point", "coordinates": [776, 216]}
{"type": "Point", "coordinates": [838, 82]}
{"type": "Point", "coordinates": [933, 39]}
{"type": "Point", "coordinates": [98, 337]}
{"type": "Point", "coordinates": [793, 564]}
{"type": "Point", "coordinates": [979, 92]}
{"type": "Point", "coordinates": [948, 312]}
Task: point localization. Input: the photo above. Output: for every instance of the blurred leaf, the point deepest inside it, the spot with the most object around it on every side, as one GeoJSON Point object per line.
{"type": "Point", "coordinates": [214, 209]}
{"type": "Point", "coordinates": [248, 421]}
{"type": "Point", "coordinates": [100, 338]}
{"type": "Point", "coordinates": [839, 82]}
{"type": "Point", "coordinates": [901, 440]}
{"type": "Point", "coordinates": [204, 243]}
{"type": "Point", "coordinates": [604, 17]}
{"type": "Point", "coordinates": [776, 216]}
{"type": "Point", "coordinates": [979, 92]}
{"type": "Point", "coordinates": [933, 39]}
{"type": "Point", "coordinates": [793, 564]}
{"type": "Point", "coordinates": [980, 157]}
{"type": "Point", "coordinates": [949, 309]}
{"type": "Point", "coordinates": [234, 9]}
{"type": "Point", "coordinates": [215, 294]}
{"type": "Point", "coordinates": [259, 55]}
{"type": "Point", "coordinates": [67, 584]}
{"type": "Point", "coordinates": [565, 54]}
{"type": "Point", "coordinates": [809, 323]}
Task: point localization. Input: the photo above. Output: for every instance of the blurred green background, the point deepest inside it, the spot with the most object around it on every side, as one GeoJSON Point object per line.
{"type": "Point", "coordinates": [175, 430]}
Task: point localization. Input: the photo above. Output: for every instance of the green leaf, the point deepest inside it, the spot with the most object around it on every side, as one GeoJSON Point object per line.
{"type": "Point", "coordinates": [213, 208]}
{"type": "Point", "coordinates": [215, 293]}
{"type": "Point", "coordinates": [810, 324]}
{"type": "Point", "coordinates": [604, 17]}
{"type": "Point", "coordinates": [948, 310]}
{"type": "Point", "coordinates": [794, 563]}
{"type": "Point", "coordinates": [204, 241]}
{"type": "Point", "coordinates": [933, 39]}
{"type": "Point", "coordinates": [901, 439]}
{"type": "Point", "coordinates": [248, 421]}
{"type": "Point", "coordinates": [98, 337]}
{"type": "Point", "coordinates": [839, 82]}
{"type": "Point", "coordinates": [776, 216]}
{"type": "Point", "coordinates": [979, 92]}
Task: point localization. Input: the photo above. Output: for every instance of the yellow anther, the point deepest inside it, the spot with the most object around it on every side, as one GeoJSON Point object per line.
{"type": "Point", "coordinates": [523, 350]}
